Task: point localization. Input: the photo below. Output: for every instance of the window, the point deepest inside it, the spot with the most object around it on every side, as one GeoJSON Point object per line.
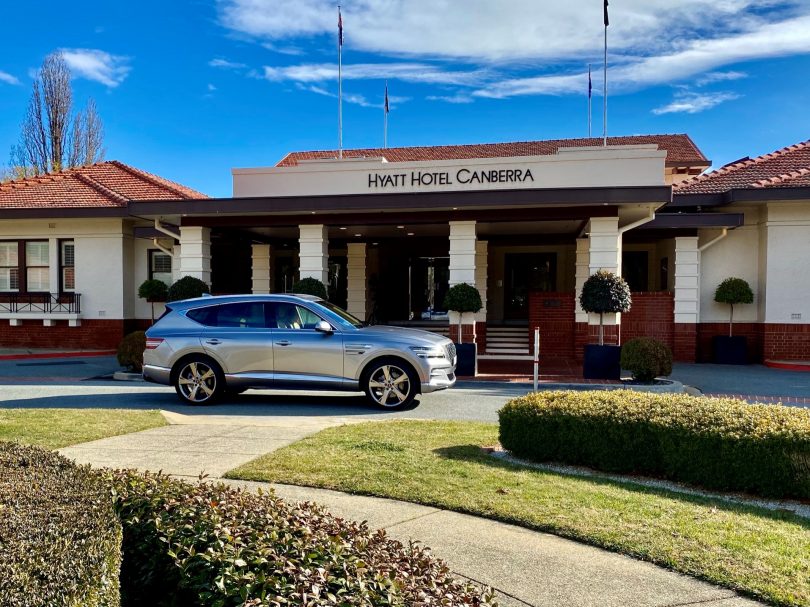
{"type": "Point", "coordinates": [248, 315]}
{"type": "Point", "coordinates": [67, 264]}
{"type": "Point", "coordinates": [160, 266]}
{"type": "Point", "coordinates": [9, 266]}
{"type": "Point", "coordinates": [635, 265]}
{"type": "Point", "coordinates": [37, 272]}
{"type": "Point", "coordinates": [291, 316]}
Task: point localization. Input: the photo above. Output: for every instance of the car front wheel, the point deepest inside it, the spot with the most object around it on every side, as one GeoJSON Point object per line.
{"type": "Point", "coordinates": [391, 384]}
{"type": "Point", "coordinates": [198, 381]}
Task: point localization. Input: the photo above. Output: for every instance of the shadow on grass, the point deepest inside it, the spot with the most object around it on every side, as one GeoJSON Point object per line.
{"type": "Point", "coordinates": [474, 454]}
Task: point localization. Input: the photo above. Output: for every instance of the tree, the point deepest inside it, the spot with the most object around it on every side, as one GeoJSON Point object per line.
{"type": "Point", "coordinates": [604, 292]}
{"type": "Point", "coordinates": [462, 298]}
{"type": "Point", "coordinates": [51, 138]}
{"type": "Point", "coordinates": [153, 290]}
{"type": "Point", "coordinates": [733, 291]}
{"type": "Point", "coordinates": [310, 286]}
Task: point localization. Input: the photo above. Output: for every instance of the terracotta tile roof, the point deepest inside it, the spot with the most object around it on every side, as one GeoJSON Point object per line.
{"type": "Point", "coordinates": [104, 184]}
{"type": "Point", "coordinates": [785, 168]}
{"type": "Point", "coordinates": [681, 150]}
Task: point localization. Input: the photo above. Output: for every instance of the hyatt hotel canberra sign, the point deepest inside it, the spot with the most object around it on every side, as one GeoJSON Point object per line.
{"type": "Point", "coordinates": [462, 176]}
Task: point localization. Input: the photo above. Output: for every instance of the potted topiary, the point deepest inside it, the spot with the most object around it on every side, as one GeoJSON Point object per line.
{"type": "Point", "coordinates": [731, 349]}
{"type": "Point", "coordinates": [187, 287]}
{"type": "Point", "coordinates": [310, 286]}
{"type": "Point", "coordinates": [463, 299]}
{"type": "Point", "coordinates": [603, 293]}
{"type": "Point", "coordinates": [153, 290]}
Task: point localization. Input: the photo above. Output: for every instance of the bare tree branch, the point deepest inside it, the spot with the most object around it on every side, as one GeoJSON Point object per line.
{"type": "Point", "coordinates": [58, 97]}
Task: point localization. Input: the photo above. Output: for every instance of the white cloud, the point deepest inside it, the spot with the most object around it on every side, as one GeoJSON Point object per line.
{"type": "Point", "coordinates": [409, 72]}
{"type": "Point", "coordinates": [361, 100]}
{"type": "Point", "coordinates": [8, 78]}
{"type": "Point", "coordinates": [225, 64]}
{"type": "Point", "coordinates": [713, 77]}
{"type": "Point", "coordinates": [100, 66]}
{"type": "Point", "coordinates": [692, 103]}
{"type": "Point", "coordinates": [457, 98]}
{"type": "Point", "coordinates": [211, 87]}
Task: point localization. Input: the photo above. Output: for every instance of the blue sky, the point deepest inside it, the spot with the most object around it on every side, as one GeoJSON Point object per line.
{"type": "Point", "coordinates": [189, 89]}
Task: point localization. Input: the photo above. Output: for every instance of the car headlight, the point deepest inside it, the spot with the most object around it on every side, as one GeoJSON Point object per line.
{"type": "Point", "coordinates": [428, 351]}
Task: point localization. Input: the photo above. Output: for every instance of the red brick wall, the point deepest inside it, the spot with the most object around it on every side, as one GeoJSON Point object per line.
{"type": "Point", "coordinates": [553, 313]}
{"type": "Point", "coordinates": [651, 315]}
{"type": "Point", "coordinates": [707, 330]}
{"type": "Point", "coordinates": [684, 347]}
{"type": "Point", "coordinates": [481, 336]}
{"type": "Point", "coordinates": [785, 341]}
{"type": "Point", "coordinates": [92, 334]}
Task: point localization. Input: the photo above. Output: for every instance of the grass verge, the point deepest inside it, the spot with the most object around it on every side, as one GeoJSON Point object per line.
{"type": "Point", "coordinates": [761, 553]}
{"type": "Point", "coordinates": [55, 428]}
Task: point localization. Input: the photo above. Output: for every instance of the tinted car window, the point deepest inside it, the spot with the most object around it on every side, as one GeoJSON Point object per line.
{"type": "Point", "coordinates": [291, 316]}
{"type": "Point", "coordinates": [249, 315]}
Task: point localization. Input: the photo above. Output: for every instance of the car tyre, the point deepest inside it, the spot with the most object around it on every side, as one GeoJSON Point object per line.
{"type": "Point", "coordinates": [199, 380]}
{"type": "Point", "coordinates": [390, 383]}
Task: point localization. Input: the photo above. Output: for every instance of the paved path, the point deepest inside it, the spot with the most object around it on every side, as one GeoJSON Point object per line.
{"type": "Point", "coordinates": [526, 567]}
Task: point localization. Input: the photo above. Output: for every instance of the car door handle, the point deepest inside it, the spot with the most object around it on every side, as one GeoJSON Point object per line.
{"type": "Point", "coordinates": [283, 342]}
{"type": "Point", "coordinates": [213, 342]}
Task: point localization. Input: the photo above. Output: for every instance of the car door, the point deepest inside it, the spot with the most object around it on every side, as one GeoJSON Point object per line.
{"type": "Point", "coordinates": [303, 355]}
{"type": "Point", "coordinates": [238, 337]}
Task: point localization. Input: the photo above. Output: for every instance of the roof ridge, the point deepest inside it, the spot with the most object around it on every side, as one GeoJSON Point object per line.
{"type": "Point", "coordinates": [61, 174]}
{"type": "Point", "coordinates": [100, 187]}
{"type": "Point", "coordinates": [153, 179]}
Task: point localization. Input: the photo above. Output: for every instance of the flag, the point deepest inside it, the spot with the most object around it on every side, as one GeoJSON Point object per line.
{"type": "Point", "coordinates": [607, 21]}
{"type": "Point", "coordinates": [590, 84]}
{"type": "Point", "coordinates": [386, 98]}
{"type": "Point", "coordinates": [340, 25]}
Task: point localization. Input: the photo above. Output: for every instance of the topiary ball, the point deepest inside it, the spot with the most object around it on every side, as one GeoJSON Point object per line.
{"type": "Point", "coordinates": [462, 298]}
{"type": "Point", "coordinates": [187, 287]}
{"type": "Point", "coordinates": [130, 351]}
{"type": "Point", "coordinates": [646, 358]}
{"type": "Point", "coordinates": [734, 291]}
{"type": "Point", "coordinates": [310, 286]}
{"type": "Point", "coordinates": [153, 290]}
{"type": "Point", "coordinates": [605, 292]}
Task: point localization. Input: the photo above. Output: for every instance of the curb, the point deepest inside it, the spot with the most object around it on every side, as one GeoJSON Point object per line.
{"type": "Point", "coordinates": [672, 386]}
{"type": "Point", "coordinates": [125, 376]}
{"type": "Point", "coordinates": [41, 355]}
{"type": "Point", "coordinates": [788, 365]}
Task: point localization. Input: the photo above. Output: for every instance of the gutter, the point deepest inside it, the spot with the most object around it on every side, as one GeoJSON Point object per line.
{"type": "Point", "coordinates": [714, 241]}
{"type": "Point", "coordinates": [650, 216]}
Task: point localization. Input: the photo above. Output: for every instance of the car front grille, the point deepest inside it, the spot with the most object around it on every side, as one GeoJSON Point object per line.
{"type": "Point", "coordinates": [451, 352]}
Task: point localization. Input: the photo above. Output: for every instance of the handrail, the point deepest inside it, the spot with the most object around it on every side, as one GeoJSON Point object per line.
{"type": "Point", "coordinates": [41, 303]}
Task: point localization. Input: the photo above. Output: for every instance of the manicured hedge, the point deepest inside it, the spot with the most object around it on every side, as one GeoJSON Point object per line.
{"type": "Point", "coordinates": [721, 444]}
{"type": "Point", "coordinates": [60, 541]}
{"type": "Point", "coordinates": [211, 545]}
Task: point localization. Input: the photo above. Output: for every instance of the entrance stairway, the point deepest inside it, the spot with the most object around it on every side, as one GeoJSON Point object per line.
{"type": "Point", "coordinates": [507, 342]}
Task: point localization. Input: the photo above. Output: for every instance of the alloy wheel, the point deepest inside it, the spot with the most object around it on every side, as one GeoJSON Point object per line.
{"type": "Point", "coordinates": [389, 386]}
{"type": "Point", "coordinates": [197, 382]}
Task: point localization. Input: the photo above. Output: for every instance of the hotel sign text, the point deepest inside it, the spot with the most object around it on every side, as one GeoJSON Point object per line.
{"type": "Point", "coordinates": [462, 176]}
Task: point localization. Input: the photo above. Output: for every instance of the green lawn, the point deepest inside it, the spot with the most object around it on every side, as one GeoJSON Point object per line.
{"type": "Point", "coordinates": [761, 553]}
{"type": "Point", "coordinates": [55, 428]}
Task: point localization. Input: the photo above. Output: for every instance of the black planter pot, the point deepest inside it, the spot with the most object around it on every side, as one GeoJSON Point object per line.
{"type": "Point", "coordinates": [602, 362]}
{"type": "Point", "coordinates": [730, 350]}
{"type": "Point", "coordinates": [467, 359]}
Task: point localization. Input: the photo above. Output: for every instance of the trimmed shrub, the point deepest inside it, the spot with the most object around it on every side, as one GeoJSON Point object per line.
{"type": "Point", "coordinates": [463, 298]}
{"type": "Point", "coordinates": [723, 444]}
{"type": "Point", "coordinates": [605, 293]}
{"type": "Point", "coordinates": [130, 351]}
{"type": "Point", "coordinates": [60, 540]}
{"type": "Point", "coordinates": [310, 286]}
{"type": "Point", "coordinates": [646, 358]}
{"type": "Point", "coordinates": [153, 290]}
{"type": "Point", "coordinates": [209, 544]}
{"type": "Point", "coordinates": [733, 291]}
{"type": "Point", "coordinates": [187, 287]}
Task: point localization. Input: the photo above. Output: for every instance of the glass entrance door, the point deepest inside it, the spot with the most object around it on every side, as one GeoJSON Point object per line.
{"type": "Point", "coordinates": [524, 272]}
{"type": "Point", "coordinates": [429, 280]}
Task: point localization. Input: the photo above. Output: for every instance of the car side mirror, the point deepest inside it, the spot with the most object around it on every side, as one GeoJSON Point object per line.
{"type": "Point", "coordinates": [324, 327]}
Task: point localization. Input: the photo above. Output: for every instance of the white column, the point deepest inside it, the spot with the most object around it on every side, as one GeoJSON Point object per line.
{"type": "Point", "coordinates": [605, 253]}
{"type": "Point", "coordinates": [313, 252]}
{"type": "Point", "coordinates": [53, 265]}
{"type": "Point", "coordinates": [462, 252]}
{"type": "Point", "coordinates": [687, 280]}
{"type": "Point", "coordinates": [357, 281]}
{"type": "Point", "coordinates": [176, 257]}
{"type": "Point", "coordinates": [481, 263]}
{"type": "Point", "coordinates": [581, 274]}
{"type": "Point", "coordinates": [261, 268]}
{"type": "Point", "coordinates": [195, 257]}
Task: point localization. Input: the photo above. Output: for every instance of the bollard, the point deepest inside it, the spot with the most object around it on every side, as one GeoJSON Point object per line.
{"type": "Point", "coordinates": [536, 355]}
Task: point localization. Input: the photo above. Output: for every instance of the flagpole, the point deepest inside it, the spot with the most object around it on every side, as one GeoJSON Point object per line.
{"type": "Point", "coordinates": [605, 93]}
{"type": "Point", "coordinates": [385, 117]}
{"type": "Point", "coordinates": [590, 113]}
{"type": "Point", "coordinates": [340, 85]}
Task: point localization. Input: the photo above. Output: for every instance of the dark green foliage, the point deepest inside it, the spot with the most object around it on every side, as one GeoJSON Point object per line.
{"type": "Point", "coordinates": [60, 540]}
{"type": "Point", "coordinates": [130, 351]}
{"type": "Point", "coordinates": [721, 444]}
{"type": "Point", "coordinates": [310, 286]}
{"type": "Point", "coordinates": [212, 545]}
{"type": "Point", "coordinates": [187, 287]}
{"type": "Point", "coordinates": [463, 298]}
{"type": "Point", "coordinates": [153, 290]}
{"type": "Point", "coordinates": [604, 293]}
{"type": "Point", "coordinates": [647, 358]}
{"type": "Point", "coordinates": [733, 291]}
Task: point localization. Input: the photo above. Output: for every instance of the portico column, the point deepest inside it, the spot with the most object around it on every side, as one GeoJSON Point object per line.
{"type": "Point", "coordinates": [261, 268]}
{"type": "Point", "coordinates": [176, 261]}
{"type": "Point", "coordinates": [481, 281]}
{"type": "Point", "coordinates": [687, 297]}
{"type": "Point", "coordinates": [605, 253]}
{"type": "Point", "coordinates": [195, 257]}
{"type": "Point", "coordinates": [357, 281]}
{"type": "Point", "coordinates": [581, 273]}
{"type": "Point", "coordinates": [462, 270]}
{"type": "Point", "coordinates": [313, 252]}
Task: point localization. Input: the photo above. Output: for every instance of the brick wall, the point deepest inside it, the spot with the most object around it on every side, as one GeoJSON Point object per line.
{"type": "Point", "coordinates": [92, 334]}
{"type": "Point", "coordinates": [651, 315]}
{"type": "Point", "coordinates": [553, 313]}
{"type": "Point", "coordinates": [684, 348]}
{"type": "Point", "coordinates": [707, 330]}
{"type": "Point", "coordinates": [785, 341]}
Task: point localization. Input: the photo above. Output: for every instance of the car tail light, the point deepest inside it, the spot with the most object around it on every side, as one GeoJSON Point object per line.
{"type": "Point", "coordinates": [153, 342]}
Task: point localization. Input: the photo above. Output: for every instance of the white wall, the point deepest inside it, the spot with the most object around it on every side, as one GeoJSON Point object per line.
{"type": "Point", "coordinates": [786, 248]}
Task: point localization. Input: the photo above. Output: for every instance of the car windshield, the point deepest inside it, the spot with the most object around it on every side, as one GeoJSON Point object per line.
{"type": "Point", "coordinates": [343, 314]}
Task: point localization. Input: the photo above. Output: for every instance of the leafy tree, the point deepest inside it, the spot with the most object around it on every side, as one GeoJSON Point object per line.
{"type": "Point", "coordinates": [153, 290]}
{"type": "Point", "coordinates": [187, 287]}
{"type": "Point", "coordinates": [462, 298]}
{"type": "Point", "coordinates": [310, 286]}
{"type": "Point", "coordinates": [605, 292]}
{"type": "Point", "coordinates": [733, 291]}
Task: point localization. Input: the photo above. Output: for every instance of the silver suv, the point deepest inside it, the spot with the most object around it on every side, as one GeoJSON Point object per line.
{"type": "Point", "coordinates": [209, 346]}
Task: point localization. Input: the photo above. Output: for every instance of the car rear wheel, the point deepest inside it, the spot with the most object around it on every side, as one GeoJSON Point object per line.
{"type": "Point", "coordinates": [391, 384]}
{"type": "Point", "coordinates": [198, 381]}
